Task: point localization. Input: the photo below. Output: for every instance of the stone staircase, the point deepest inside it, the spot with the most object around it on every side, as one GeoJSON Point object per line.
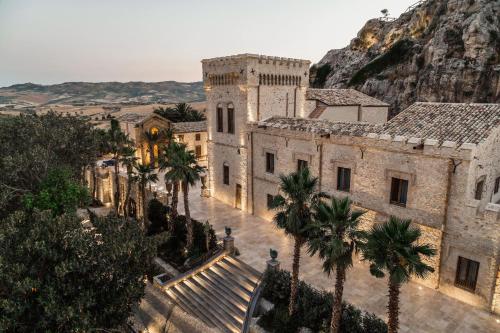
{"type": "Point", "coordinates": [219, 295]}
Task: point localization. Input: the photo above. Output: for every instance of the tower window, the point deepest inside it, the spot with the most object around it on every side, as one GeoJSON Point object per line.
{"type": "Point", "coordinates": [466, 276]}
{"type": "Point", "coordinates": [344, 179]}
{"type": "Point", "coordinates": [197, 137]}
{"type": "Point", "coordinates": [220, 120]}
{"type": "Point", "coordinates": [225, 174]}
{"type": "Point", "coordinates": [198, 151]}
{"type": "Point", "coordinates": [497, 185]}
{"type": "Point", "coordinates": [269, 163]}
{"type": "Point", "coordinates": [399, 191]}
{"type": "Point", "coordinates": [230, 119]}
{"type": "Point", "coordinates": [301, 164]}
{"type": "Point", "coordinates": [478, 195]}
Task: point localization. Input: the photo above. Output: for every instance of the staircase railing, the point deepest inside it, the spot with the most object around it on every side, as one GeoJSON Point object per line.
{"type": "Point", "coordinates": [254, 300]}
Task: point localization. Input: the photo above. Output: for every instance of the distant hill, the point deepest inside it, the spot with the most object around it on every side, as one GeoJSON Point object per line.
{"type": "Point", "coordinates": [436, 51]}
{"type": "Point", "coordinates": [29, 95]}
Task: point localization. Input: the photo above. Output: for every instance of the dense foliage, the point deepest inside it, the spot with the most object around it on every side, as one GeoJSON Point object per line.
{"type": "Point", "coordinates": [34, 145]}
{"type": "Point", "coordinates": [58, 193]}
{"type": "Point", "coordinates": [397, 53]}
{"type": "Point", "coordinates": [314, 309]}
{"type": "Point", "coordinates": [182, 112]}
{"type": "Point", "coordinates": [58, 276]}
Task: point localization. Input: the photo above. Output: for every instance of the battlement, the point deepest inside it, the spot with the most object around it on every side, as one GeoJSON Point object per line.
{"type": "Point", "coordinates": [260, 58]}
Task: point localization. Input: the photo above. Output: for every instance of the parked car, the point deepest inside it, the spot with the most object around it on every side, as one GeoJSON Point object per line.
{"type": "Point", "coordinates": [107, 163]}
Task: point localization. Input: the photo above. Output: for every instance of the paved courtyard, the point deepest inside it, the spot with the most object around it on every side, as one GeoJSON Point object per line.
{"type": "Point", "coordinates": [422, 309]}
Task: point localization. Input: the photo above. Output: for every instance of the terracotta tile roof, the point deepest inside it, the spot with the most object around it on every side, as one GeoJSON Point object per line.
{"type": "Point", "coordinates": [456, 122]}
{"type": "Point", "coordinates": [189, 127]}
{"type": "Point", "coordinates": [343, 97]}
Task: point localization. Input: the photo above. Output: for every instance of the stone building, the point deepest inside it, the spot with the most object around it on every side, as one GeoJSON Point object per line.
{"type": "Point", "coordinates": [150, 137]}
{"type": "Point", "coordinates": [436, 164]}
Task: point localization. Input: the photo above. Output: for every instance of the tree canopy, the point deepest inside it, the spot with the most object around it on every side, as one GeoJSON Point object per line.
{"type": "Point", "coordinates": [182, 112]}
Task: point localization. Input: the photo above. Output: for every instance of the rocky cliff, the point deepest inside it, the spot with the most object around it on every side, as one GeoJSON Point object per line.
{"type": "Point", "coordinates": [439, 50]}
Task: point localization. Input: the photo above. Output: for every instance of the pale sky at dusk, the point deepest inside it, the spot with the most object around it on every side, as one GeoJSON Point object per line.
{"type": "Point", "coordinates": [54, 41]}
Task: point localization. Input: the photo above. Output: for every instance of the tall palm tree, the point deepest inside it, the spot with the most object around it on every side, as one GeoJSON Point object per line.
{"type": "Point", "coordinates": [117, 141]}
{"type": "Point", "coordinates": [152, 139]}
{"type": "Point", "coordinates": [294, 215]}
{"type": "Point", "coordinates": [335, 236]}
{"type": "Point", "coordinates": [393, 247]}
{"type": "Point", "coordinates": [145, 175]}
{"type": "Point", "coordinates": [128, 160]}
{"type": "Point", "coordinates": [183, 167]}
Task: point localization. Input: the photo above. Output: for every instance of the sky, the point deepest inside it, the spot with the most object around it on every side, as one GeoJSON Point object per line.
{"type": "Point", "coordinates": [54, 41]}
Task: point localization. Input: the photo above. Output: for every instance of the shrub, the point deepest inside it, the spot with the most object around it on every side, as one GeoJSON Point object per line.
{"type": "Point", "coordinates": [157, 216]}
{"type": "Point", "coordinates": [398, 52]}
{"type": "Point", "coordinates": [314, 309]}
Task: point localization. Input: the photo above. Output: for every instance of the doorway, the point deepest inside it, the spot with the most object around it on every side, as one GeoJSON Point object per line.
{"type": "Point", "coordinates": [238, 196]}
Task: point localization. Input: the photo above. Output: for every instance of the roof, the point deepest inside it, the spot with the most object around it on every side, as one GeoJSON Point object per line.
{"type": "Point", "coordinates": [343, 97]}
{"type": "Point", "coordinates": [460, 123]}
{"type": "Point", "coordinates": [189, 127]}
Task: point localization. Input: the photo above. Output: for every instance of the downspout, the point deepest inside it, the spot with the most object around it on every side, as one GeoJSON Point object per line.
{"type": "Point", "coordinates": [451, 170]}
{"type": "Point", "coordinates": [251, 171]}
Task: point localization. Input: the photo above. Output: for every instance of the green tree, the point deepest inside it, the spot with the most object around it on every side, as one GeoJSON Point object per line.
{"type": "Point", "coordinates": [294, 215]}
{"type": "Point", "coordinates": [182, 166]}
{"type": "Point", "coordinates": [117, 143]}
{"type": "Point", "coordinates": [54, 271]}
{"type": "Point", "coordinates": [182, 112]}
{"type": "Point", "coordinates": [145, 175]}
{"type": "Point", "coordinates": [128, 160]}
{"type": "Point", "coordinates": [394, 248]}
{"type": "Point", "coordinates": [100, 143]}
{"type": "Point", "coordinates": [335, 236]}
{"type": "Point", "coordinates": [58, 193]}
{"type": "Point", "coordinates": [32, 145]}
{"type": "Point", "coordinates": [171, 178]}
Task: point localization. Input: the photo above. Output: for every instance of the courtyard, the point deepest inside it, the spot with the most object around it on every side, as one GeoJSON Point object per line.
{"type": "Point", "coordinates": [422, 309]}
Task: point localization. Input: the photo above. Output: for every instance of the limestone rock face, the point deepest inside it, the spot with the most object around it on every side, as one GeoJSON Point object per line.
{"type": "Point", "coordinates": [440, 51]}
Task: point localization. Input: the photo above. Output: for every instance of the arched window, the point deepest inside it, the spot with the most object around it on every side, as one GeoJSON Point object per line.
{"type": "Point", "coordinates": [478, 193]}
{"type": "Point", "coordinates": [260, 78]}
{"type": "Point", "coordinates": [268, 79]}
{"type": "Point", "coordinates": [230, 118]}
{"type": "Point", "coordinates": [220, 118]}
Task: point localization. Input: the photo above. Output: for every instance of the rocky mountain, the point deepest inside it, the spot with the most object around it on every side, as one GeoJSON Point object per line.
{"type": "Point", "coordinates": [30, 95]}
{"type": "Point", "coordinates": [438, 50]}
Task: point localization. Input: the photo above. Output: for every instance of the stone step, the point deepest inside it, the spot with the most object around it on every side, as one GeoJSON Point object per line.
{"type": "Point", "coordinates": [243, 266]}
{"type": "Point", "coordinates": [222, 279]}
{"type": "Point", "coordinates": [201, 310]}
{"type": "Point", "coordinates": [239, 271]}
{"type": "Point", "coordinates": [231, 290]}
{"type": "Point", "coordinates": [216, 307]}
{"type": "Point", "coordinates": [236, 306]}
{"type": "Point", "coordinates": [238, 279]}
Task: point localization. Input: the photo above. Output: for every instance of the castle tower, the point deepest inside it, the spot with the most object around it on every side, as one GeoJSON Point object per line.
{"type": "Point", "coordinates": [241, 89]}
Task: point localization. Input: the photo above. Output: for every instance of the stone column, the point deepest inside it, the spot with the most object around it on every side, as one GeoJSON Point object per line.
{"type": "Point", "coordinates": [273, 264]}
{"type": "Point", "coordinates": [228, 242]}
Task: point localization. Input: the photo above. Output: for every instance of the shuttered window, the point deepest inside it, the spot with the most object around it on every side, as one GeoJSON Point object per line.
{"type": "Point", "coordinates": [399, 191]}
{"type": "Point", "coordinates": [344, 179]}
{"type": "Point", "coordinates": [301, 164]}
{"type": "Point", "coordinates": [467, 271]}
{"type": "Point", "coordinates": [269, 163]}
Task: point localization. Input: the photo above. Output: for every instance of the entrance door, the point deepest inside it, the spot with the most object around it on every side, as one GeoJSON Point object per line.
{"type": "Point", "coordinates": [238, 196]}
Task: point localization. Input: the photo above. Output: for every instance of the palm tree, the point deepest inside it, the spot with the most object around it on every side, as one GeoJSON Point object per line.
{"type": "Point", "coordinates": [145, 175]}
{"type": "Point", "coordinates": [128, 160]}
{"type": "Point", "coordinates": [335, 236]}
{"type": "Point", "coordinates": [152, 138]}
{"type": "Point", "coordinates": [294, 216]}
{"type": "Point", "coordinates": [171, 178]}
{"type": "Point", "coordinates": [394, 247]}
{"type": "Point", "coordinates": [183, 167]}
{"type": "Point", "coordinates": [117, 141]}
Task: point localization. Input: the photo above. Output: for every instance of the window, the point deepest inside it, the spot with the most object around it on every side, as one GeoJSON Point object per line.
{"type": "Point", "coordinates": [301, 164]}
{"type": "Point", "coordinates": [497, 185]}
{"type": "Point", "coordinates": [344, 179]}
{"type": "Point", "coordinates": [399, 191]}
{"type": "Point", "coordinates": [153, 131]}
{"type": "Point", "coordinates": [270, 199]}
{"type": "Point", "coordinates": [226, 175]}
{"type": "Point", "coordinates": [220, 123]}
{"type": "Point", "coordinates": [197, 137]}
{"type": "Point", "coordinates": [269, 163]}
{"type": "Point", "coordinates": [180, 138]}
{"type": "Point", "coordinates": [467, 270]}
{"type": "Point", "coordinates": [479, 190]}
{"type": "Point", "coordinates": [230, 119]}
{"type": "Point", "coordinates": [198, 151]}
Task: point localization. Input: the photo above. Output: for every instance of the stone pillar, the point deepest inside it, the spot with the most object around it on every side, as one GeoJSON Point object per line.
{"type": "Point", "coordinates": [273, 264]}
{"type": "Point", "coordinates": [228, 242]}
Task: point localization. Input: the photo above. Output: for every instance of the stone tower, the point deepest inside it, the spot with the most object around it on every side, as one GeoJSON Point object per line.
{"type": "Point", "coordinates": [241, 89]}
